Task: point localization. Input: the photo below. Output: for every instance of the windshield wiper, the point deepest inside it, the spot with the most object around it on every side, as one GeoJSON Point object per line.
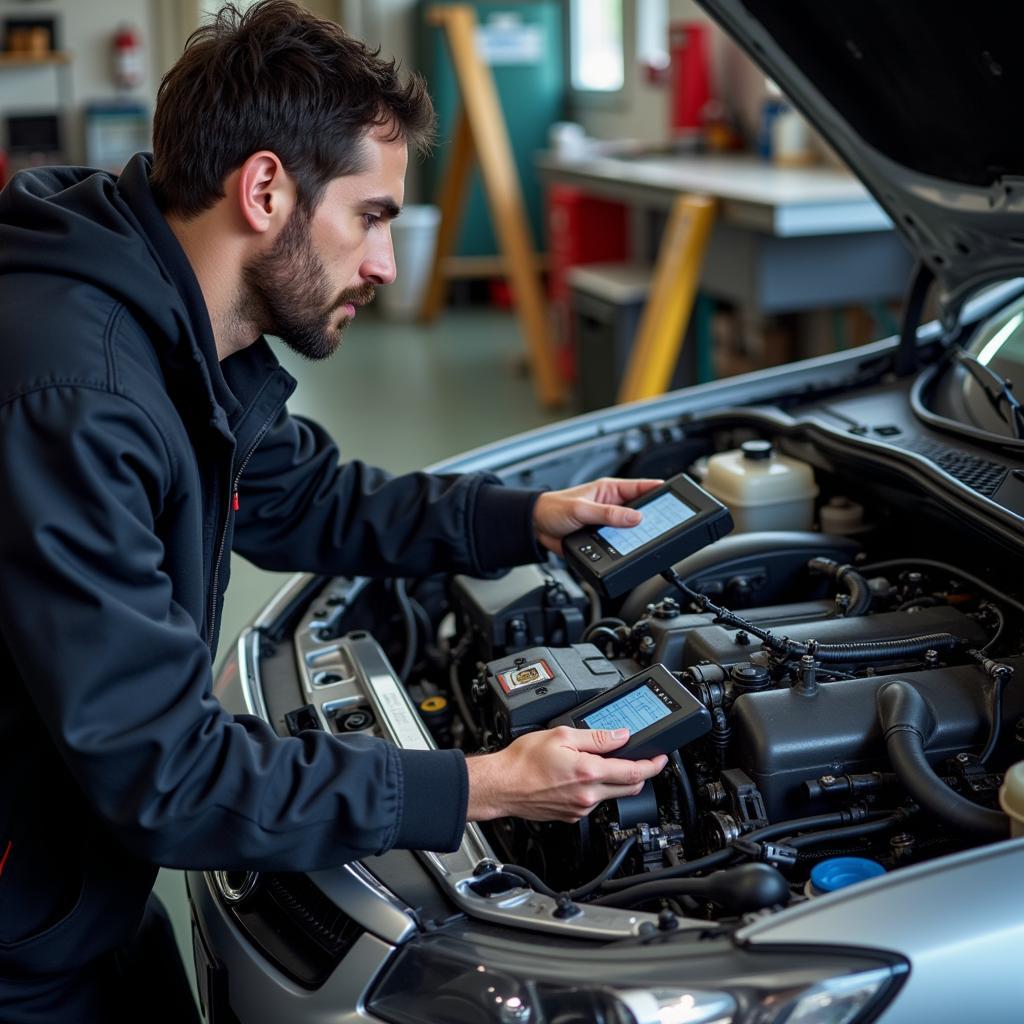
{"type": "Point", "coordinates": [998, 390]}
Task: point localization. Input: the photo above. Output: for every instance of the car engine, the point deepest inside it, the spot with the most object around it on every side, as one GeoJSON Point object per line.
{"type": "Point", "coordinates": [859, 707]}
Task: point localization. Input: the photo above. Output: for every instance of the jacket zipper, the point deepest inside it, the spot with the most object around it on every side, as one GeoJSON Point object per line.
{"type": "Point", "coordinates": [232, 508]}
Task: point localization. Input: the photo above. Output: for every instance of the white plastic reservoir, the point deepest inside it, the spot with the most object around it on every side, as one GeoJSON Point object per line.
{"type": "Point", "coordinates": [763, 489]}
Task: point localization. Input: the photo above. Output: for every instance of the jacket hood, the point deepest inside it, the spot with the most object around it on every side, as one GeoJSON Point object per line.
{"type": "Point", "coordinates": [921, 100]}
{"type": "Point", "coordinates": [108, 231]}
{"type": "Point", "coordinates": [78, 222]}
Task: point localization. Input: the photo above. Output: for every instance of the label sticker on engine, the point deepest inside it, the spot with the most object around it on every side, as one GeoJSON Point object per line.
{"type": "Point", "coordinates": [525, 675]}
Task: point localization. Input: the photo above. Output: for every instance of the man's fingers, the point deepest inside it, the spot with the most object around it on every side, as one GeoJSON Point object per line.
{"type": "Point", "coordinates": [617, 771]}
{"type": "Point", "coordinates": [594, 513]}
{"type": "Point", "coordinates": [630, 490]}
{"type": "Point", "coordinates": [596, 741]}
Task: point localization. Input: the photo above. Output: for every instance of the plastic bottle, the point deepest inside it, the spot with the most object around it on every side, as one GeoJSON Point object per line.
{"type": "Point", "coordinates": [763, 489]}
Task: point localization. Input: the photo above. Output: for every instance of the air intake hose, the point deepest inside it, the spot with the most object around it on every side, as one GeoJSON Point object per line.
{"type": "Point", "coordinates": [846, 576]}
{"type": "Point", "coordinates": [907, 724]}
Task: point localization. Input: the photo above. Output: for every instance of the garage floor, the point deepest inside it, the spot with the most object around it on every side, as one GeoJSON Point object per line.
{"type": "Point", "coordinates": [399, 396]}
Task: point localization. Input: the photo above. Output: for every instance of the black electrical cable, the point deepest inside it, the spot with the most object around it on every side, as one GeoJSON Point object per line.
{"type": "Point", "coordinates": [1000, 628]}
{"type": "Point", "coordinates": [608, 622]}
{"type": "Point", "coordinates": [1001, 679]}
{"type": "Point", "coordinates": [533, 880]}
{"type": "Point", "coordinates": [539, 885]}
{"type": "Point", "coordinates": [689, 801]}
{"type": "Point", "coordinates": [612, 866]}
{"type": "Point", "coordinates": [824, 653]}
{"type": "Point", "coordinates": [409, 621]}
{"type": "Point", "coordinates": [423, 619]}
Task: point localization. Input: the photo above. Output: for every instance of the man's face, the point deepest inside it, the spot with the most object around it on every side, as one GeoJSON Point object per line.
{"type": "Point", "coordinates": [305, 288]}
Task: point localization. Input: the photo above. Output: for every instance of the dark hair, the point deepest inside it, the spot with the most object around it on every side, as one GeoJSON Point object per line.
{"type": "Point", "coordinates": [277, 78]}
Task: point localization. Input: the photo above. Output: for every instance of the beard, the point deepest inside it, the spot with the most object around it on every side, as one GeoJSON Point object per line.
{"type": "Point", "coordinates": [288, 293]}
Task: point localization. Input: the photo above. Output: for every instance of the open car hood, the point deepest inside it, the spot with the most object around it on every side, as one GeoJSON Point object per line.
{"type": "Point", "coordinates": [922, 100]}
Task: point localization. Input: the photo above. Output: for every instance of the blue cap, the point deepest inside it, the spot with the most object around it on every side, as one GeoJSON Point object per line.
{"type": "Point", "coordinates": [839, 872]}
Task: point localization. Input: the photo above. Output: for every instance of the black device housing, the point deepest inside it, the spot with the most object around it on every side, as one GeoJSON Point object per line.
{"type": "Point", "coordinates": [688, 721]}
{"type": "Point", "coordinates": [611, 572]}
{"type": "Point", "coordinates": [529, 606]}
{"type": "Point", "coordinates": [530, 687]}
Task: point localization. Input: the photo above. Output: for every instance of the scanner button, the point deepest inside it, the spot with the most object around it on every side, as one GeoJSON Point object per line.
{"type": "Point", "coordinates": [595, 556]}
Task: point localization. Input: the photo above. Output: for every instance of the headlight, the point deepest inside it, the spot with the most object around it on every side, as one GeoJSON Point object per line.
{"type": "Point", "coordinates": [447, 981]}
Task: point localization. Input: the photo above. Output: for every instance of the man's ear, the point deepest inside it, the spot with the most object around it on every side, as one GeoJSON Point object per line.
{"type": "Point", "coordinates": [266, 192]}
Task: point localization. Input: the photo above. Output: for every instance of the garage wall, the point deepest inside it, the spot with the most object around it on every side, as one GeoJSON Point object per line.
{"type": "Point", "coordinates": [86, 29]}
{"type": "Point", "coordinates": [642, 111]}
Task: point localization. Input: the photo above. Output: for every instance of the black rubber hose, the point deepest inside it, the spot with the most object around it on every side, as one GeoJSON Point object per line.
{"type": "Point", "coordinates": [839, 835]}
{"type": "Point", "coordinates": [907, 723]}
{"type": "Point", "coordinates": [740, 890]}
{"type": "Point", "coordinates": [846, 576]}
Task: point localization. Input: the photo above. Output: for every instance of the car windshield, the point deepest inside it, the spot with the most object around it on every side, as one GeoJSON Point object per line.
{"type": "Point", "coordinates": [997, 354]}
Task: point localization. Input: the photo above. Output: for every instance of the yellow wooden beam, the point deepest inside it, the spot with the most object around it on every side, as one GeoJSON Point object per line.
{"type": "Point", "coordinates": [504, 195]}
{"type": "Point", "coordinates": [662, 329]}
{"type": "Point", "coordinates": [454, 185]}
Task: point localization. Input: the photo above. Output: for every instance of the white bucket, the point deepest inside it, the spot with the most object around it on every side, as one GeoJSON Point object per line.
{"type": "Point", "coordinates": [414, 235]}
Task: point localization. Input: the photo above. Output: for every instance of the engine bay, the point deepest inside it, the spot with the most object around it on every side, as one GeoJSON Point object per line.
{"type": "Point", "coordinates": [856, 678]}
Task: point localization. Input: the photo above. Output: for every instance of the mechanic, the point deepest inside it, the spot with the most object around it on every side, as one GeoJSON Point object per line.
{"type": "Point", "coordinates": [143, 436]}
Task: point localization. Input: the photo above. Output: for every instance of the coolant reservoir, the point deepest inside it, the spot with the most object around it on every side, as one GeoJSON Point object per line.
{"type": "Point", "coordinates": [1011, 798]}
{"type": "Point", "coordinates": [763, 489]}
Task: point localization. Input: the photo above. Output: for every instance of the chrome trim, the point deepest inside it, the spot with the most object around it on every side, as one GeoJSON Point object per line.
{"type": "Point", "coordinates": [235, 893]}
{"type": "Point", "coordinates": [269, 616]}
{"type": "Point", "coordinates": [367, 901]}
{"type": "Point", "coordinates": [249, 673]}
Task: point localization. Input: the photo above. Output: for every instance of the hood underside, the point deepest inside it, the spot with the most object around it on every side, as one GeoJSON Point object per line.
{"type": "Point", "coordinates": [923, 101]}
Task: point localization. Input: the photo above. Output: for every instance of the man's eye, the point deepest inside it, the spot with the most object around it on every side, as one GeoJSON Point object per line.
{"type": "Point", "coordinates": [371, 220]}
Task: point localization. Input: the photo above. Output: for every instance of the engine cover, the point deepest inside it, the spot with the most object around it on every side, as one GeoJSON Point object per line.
{"type": "Point", "coordinates": [784, 738]}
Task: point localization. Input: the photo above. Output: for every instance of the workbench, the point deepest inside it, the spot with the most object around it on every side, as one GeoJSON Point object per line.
{"type": "Point", "coordinates": [768, 239]}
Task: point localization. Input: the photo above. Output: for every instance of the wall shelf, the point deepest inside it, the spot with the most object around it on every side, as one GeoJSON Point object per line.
{"type": "Point", "coordinates": [31, 60]}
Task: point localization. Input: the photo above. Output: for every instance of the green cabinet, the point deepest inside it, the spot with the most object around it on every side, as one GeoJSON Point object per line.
{"type": "Point", "coordinates": [522, 44]}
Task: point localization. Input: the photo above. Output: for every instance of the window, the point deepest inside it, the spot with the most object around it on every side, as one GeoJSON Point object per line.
{"type": "Point", "coordinates": [597, 56]}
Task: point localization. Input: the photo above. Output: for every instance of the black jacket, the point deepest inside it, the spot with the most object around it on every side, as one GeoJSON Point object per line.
{"type": "Point", "coordinates": [122, 442]}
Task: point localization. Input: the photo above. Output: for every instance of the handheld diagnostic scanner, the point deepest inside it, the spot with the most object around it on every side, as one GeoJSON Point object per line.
{"type": "Point", "coordinates": [679, 518]}
{"type": "Point", "coordinates": [660, 713]}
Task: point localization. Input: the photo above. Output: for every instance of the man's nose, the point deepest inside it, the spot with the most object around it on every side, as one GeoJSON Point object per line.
{"type": "Point", "coordinates": [379, 265]}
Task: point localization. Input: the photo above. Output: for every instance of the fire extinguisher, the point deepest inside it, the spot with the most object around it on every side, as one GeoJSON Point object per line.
{"type": "Point", "coordinates": [127, 50]}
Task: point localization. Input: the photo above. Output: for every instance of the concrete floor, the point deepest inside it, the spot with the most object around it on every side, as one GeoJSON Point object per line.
{"type": "Point", "coordinates": [400, 396]}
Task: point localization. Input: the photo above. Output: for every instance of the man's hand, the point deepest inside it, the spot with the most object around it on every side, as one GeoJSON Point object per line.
{"type": "Point", "coordinates": [599, 503]}
{"type": "Point", "coordinates": [555, 775]}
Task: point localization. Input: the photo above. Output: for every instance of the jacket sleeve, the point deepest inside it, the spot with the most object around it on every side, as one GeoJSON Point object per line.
{"type": "Point", "coordinates": [122, 679]}
{"type": "Point", "coordinates": [301, 509]}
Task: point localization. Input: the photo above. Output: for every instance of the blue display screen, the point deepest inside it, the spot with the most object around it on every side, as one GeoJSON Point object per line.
{"type": "Point", "coordinates": [633, 711]}
{"type": "Point", "coordinates": [660, 516]}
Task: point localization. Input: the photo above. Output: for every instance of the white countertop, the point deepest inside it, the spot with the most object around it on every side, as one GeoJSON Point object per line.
{"type": "Point", "coordinates": [784, 201]}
